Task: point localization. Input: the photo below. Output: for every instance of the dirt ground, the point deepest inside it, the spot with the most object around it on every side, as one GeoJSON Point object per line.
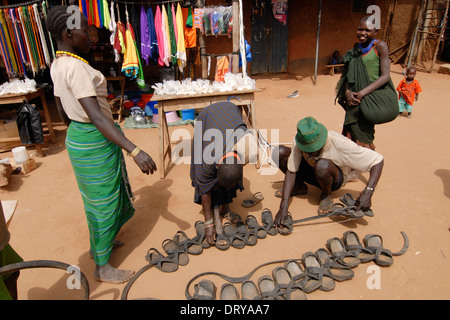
{"type": "Point", "coordinates": [412, 196]}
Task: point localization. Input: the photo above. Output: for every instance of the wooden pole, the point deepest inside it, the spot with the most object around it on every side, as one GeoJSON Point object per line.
{"type": "Point", "coordinates": [414, 39]}
{"type": "Point", "coordinates": [235, 63]}
{"type": "Point", "coordinates": [444, 17]}
{"type": "Point", "coordinates": [201, 42]}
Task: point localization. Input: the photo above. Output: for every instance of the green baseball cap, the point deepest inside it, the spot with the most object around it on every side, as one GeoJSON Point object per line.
{"type": "Point", "coordinates": [311, 135]}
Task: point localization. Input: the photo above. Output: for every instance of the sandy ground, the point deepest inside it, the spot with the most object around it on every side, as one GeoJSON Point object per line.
{"type": "Point", "coordinates": [412, 196]}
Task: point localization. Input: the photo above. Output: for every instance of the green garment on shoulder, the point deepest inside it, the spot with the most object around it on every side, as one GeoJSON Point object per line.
{"type": "Point", "coordinates": [7, 256]}
{"type": "Point", "coordinates": [378, 107]}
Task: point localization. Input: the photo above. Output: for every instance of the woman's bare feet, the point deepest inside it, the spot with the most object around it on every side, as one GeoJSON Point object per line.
{"type": "Point", "coordinates": [109, 274]}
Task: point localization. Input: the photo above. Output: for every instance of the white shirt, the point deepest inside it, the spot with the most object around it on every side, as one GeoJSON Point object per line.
{"type": "Point", "coordinates": [343, 152]}
{"type": "Point", "coordinates": [74, 79]}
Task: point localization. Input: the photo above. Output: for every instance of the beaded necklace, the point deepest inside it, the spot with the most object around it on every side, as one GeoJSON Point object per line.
{"type": "Point", "coordinates": [70, 54]}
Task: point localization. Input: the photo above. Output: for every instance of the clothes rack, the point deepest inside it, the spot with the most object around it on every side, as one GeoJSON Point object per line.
{"type": "Point", "coordinates": [20, 4]}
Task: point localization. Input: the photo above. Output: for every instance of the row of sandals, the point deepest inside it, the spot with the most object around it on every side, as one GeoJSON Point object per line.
{"type": "Point", "coordinates": [238, 236]}
{"type": "Point", "coordinates": [295, 278]}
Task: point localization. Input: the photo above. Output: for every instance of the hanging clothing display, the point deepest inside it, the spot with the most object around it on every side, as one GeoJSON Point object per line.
{"type": "Point", "coordinates": [222, 68]}
{"type": "Point", "coordinates": [172, 37]}
{"type": "Point", "coordinates": [166, 36]}
{"type": "Point", "coordinates": [181, 49]}
{"type": "Point", "coordinates": [159, 36]}
{"type": "Point", "coordinates": [145, 36]}
{"type": "Point", "coordinates": [154, 53]}
{"type": "Point", "coordinates": [279, 9]}
{"type": "Point", "coordinates": [130, 65]}
{"type": "Point", "coordinates": [25, 43]}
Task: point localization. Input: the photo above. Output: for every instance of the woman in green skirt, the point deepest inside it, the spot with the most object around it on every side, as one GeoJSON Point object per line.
{"type": "Point", "coordinates": [94, 142]}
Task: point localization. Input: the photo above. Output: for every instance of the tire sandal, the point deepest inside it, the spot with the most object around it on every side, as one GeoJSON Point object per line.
{"type": "Point", "coordinates": [318, 277]}
{"type": "Point", "coordinates": [187, 245]}
{"type": "Point", "coordinates": [268, 289]}
{"type": "Point", "coordinates": [204, 290]}
{"type": "Point", "coordinates": [340, 255]}
{"type": "Point", "coordinates": [201, 237]}
{"type": "Point", "coordinates": [287, 226]}
{"type": "Point", "coordinates": [354, 246]}
{"type": "Point", "coordinates": [383, 257]}
{"type": "Point", "coordinates": [337, 271]}
{"type": "Point", "coordinates": [174, 252]}
{"type": "Point", "coordinates": [165, 264]}
{"type": "Point", "coordinates": [254, 200]}
{"type": "Point", "coordinates": [237, 239]}
{"type": "Point", "coordinates": [243, 231]}
{"type": "Point", "coordinates": [229, 292]}
{"type": "Point", "coordinates": [296, 270]}
{"type": "Point", "coordinates": [255, 227]}
{"type": "Point", "coordinates": [348, 200]}
{"type": "Point", "coordinates": [249, 291]}
{"type": "Point", "coordinates": [267, 221]}
{"type": "Point", "coordinates": [284, 281]}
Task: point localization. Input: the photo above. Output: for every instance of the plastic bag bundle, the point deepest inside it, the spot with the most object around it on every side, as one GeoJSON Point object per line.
{"type": "Point", "coordinates": [231, 82]}
{"type": "Point", "coordinates": [216, 20]}
{"type": "Point", "coordinates": [18, 86]}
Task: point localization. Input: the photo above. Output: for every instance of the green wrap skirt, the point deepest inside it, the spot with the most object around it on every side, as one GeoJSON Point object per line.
{"type": "Point", "coordinates": [100, 171]}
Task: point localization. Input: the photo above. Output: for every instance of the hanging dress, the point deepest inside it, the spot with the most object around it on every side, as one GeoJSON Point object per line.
{"type": "Point", "coordinates": [154, 53]}
{"type": "Point", "coordinates": [181, 49]}
{"type": "Point", "coordinates": [159, 36]}
{"type": "Point", "coordinates": [145, 36]}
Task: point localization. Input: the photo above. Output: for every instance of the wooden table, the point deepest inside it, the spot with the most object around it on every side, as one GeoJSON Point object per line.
{"type": "Point", "coordinates": [332, 67]}
{"type": "Point", "coordinates": [168, 103]}
{"type": "Point", "coordinates": [114, 101]}
{"type": "Point", "coordinates": [18, 99]}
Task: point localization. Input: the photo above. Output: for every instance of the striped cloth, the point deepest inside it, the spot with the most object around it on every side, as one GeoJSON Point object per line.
{"type": "Point", "coordinates": [226, 118]}
{"type": "Point", "coordinates": [102, 179]}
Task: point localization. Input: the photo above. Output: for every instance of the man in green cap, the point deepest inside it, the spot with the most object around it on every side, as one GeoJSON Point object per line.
{"type": "Point", "coordinates": [323, 159]}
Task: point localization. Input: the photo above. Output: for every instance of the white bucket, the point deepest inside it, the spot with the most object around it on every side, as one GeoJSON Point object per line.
{"type": "Point", "coordinates": [20, 155]}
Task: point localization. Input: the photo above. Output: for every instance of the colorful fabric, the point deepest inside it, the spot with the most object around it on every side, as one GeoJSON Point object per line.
{"type": "Point", "coordinates": [181, 49]}
{"type": "Point", "coordinates": [159, 36]}
{"type": "Point", "coordinates": [154, 53]}
{"type": "Point", "coordinates": [145, 36]}
{"type": "Point", "coordinates": [222, 68]}
{"type": "Point", "coordinates": [190, 33]}
{"type": "Point", "coordinates": [172, 37]}
{"type": "Point", "coordinates": [166, 36]}
{"type": "Point", "coordinates": [130, 65]}
{"type": "Point", "coordinates": [102, 178]}
{"type": "Point", "coordinates": [408, 91]}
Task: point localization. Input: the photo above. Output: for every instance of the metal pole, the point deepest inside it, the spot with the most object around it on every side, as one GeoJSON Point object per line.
{"type": "Point", "coordinates": [317, 44]}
